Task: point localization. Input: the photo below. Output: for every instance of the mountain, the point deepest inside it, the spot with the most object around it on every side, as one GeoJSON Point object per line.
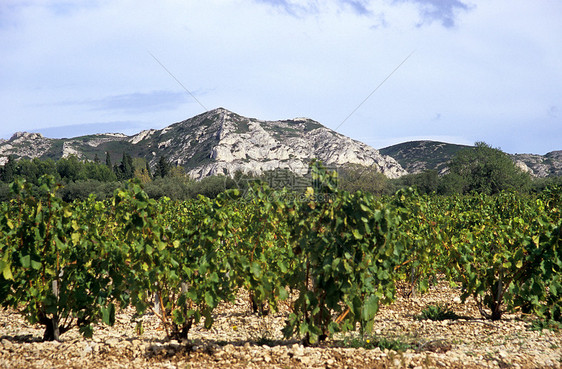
{"type": "Point", "coordinates": [541, 166]}
{"type": "Point", "coordinates": [418, 156]}
{"type": "Point", "coordinates": [215, 142]}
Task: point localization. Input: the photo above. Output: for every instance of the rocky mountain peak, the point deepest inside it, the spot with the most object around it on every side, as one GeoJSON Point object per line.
{"type": "Point", "coordinates": [20, 136]}
{"type": "Point", "coordinates": [218, 141]}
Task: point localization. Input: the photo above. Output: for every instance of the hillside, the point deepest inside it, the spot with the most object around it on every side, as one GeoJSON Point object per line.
{"type": "Point", "coordinates": [215, 142]}
{"type": "Point", "coordinates": [418, 156]}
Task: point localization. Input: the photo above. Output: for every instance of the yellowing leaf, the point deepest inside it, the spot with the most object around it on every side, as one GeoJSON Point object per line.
{"type": "Point", "coordinates": [6, 270]}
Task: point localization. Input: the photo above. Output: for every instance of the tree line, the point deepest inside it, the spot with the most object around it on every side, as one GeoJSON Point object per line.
{"type": "Point", "coordinates": [482, 169]}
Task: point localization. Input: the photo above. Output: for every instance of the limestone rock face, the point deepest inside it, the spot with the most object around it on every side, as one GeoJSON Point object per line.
{"type": "Point", "coordinates": [24, 144]}
{"type": "Point", "coordinates": [540, 165]}
{"type": "Point", "coordinates": [419, 156]}
{"type": "Point", "coordinates": [222, 142]}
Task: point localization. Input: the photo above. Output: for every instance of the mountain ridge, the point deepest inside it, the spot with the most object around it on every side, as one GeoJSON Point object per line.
{"type": "Point", "coordinates": [421, 155]}
{"type": "Point", "coordinates": [220, 141]}
{"type": "Point", "coordinates": [216, 142]}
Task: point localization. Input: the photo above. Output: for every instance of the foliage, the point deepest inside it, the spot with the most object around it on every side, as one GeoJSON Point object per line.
{"type": "Point", "coordinates": [370, 342]}
{"type": "Point", "coordinates": [7, 171]}
{"type": "Point", "coordinates": [366, 179]}
{"type": "Point", "coordinates": [211, 186]}
{"type": "Point", "coordinates": [426, 182]}
{"type": "Point", "coordinates": [339, 254]}
{"type": "Point", "coordinates": [51, 265]}
{"type": "Point", "coordinates": [126, 169]}
{"type": "Point", "coordinates": [184, 264]}
{"type": "Point", "coordinates": [507, 253]}
{"type": "Point", "coordinates": [540, 324]}
{"type": "Point", "coordinates": [346, 251]}
{"type": "Point", "coordinates": [486, 170]}
{"type": "Point", "coordinates": [175, 188]}
{"type": "Point", "coordinates": [437, 312]}
{"type": "Point", "coordinates": [263, 253]}
{"type": "Point", "coordinates": [82, 190]}
{"type": "Point", "coordinates": [162, 168]}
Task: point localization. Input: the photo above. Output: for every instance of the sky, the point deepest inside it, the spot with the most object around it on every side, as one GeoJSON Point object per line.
{"type": "Point", "coordinates": [379, 71]}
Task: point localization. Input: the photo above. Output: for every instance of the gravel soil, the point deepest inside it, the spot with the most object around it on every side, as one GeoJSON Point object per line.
{"type": "Point", "coordinates": [241, 339]}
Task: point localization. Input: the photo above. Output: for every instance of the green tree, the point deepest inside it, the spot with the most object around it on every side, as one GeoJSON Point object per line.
{"type": "Point", "coordinates": [98, 172]}
{"type": "Point", "coordinates": [211, 186]}
{"type": "Point", "coordinates": [487, 170]}
{"type": "Point", "coordinates": [425, 182]}
{"type": "Point", "coordinates": [147, 170]}
{"type": "Point", "coordinates": [8, 170]}
{"type": "Point", "coordinates": [46, 166]}
{"type": "Point", "coordinates": [70, 169]}
{"type": "Point", "coordinates": [27, 169]}
{"type": "Point", "coordinates": [163, 167]}
{"type": "Point", "coordinates": [126, 169]}
{"type": "Point", "coordinates": [46, 273]}
{"type": "Point", "coordinates": [356, 177]}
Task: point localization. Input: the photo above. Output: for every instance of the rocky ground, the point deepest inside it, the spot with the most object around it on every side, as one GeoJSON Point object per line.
{"type": "Point", "coordinates": [240, 339]}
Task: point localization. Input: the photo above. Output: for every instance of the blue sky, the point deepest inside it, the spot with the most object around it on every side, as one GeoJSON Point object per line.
{"type": "Point", "coordinates": [482, 70]}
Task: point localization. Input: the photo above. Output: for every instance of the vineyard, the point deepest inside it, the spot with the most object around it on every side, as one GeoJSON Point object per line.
{"type": "Point", "coordinates": [333, 257]}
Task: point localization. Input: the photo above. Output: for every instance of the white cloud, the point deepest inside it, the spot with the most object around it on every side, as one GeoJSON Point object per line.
{"type": "Point", "coordinates": [497, 68]}
{"type": "Point", "coordinates": [444, 11]}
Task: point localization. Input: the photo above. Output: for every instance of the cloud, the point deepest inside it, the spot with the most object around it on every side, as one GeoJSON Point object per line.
{"type": "Point", "coordinates": [443, 11]}
{"type": "Point", "coordinates": [297, 9]}
{"type": "Point", "coordinates": [303, 8]}
{"type": "Point", "coordinates": [77, 130]}
{"type": "Point", "coordinates": [359, 6]}
{"type": "Point", "coordinates": [553, 111]}
{"type": "Point", "coordinates": [136, 102]}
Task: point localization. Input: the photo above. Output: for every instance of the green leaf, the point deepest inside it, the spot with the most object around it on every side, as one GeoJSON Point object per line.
{"type": "Point", "coordinates": [108, 314]}
{"type": "Point", "coordinates": [209, 299]}
{"type": "Point", "coordinates": [283, 294]}
{"type": "Point", "coordinates": [208, 322]}
{"type": "Point", "coordinates": [25, 261]}
{"type": "Point", "coordinates": [75, 238]}
{"type": "Point", "coordinates": [178, 317]}
{"type": "Point", "coordinates": [6, 270]}
{"type": "Point", "coordinates": [255, 269]}
{"type": "Point", "coordinates": [36, 264]}
{"type": "Point", "coordinates": [214, 277]}
{"type": "Point", "coordinates": [139, 329]}
{"type": "Point", "coordinates": [86, 330]}
{"type": "Point", "coordinates": [356, 234]}
{"type": "Point", "coordinates": [370, 308]}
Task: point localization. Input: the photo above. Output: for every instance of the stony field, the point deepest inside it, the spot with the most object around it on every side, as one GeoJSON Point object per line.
{"type": "Point", "coordinates": [241, 339]}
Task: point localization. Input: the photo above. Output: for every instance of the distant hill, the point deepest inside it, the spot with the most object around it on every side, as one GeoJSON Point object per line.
{"type": "Point", "coordinates": [223, 142]}
{"type": "Point", "coordinates": [215, 142]}
{"type": "Point", "coordinates": [547, 165]}
{"type": "Point", "coordinates": [418, 156]}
